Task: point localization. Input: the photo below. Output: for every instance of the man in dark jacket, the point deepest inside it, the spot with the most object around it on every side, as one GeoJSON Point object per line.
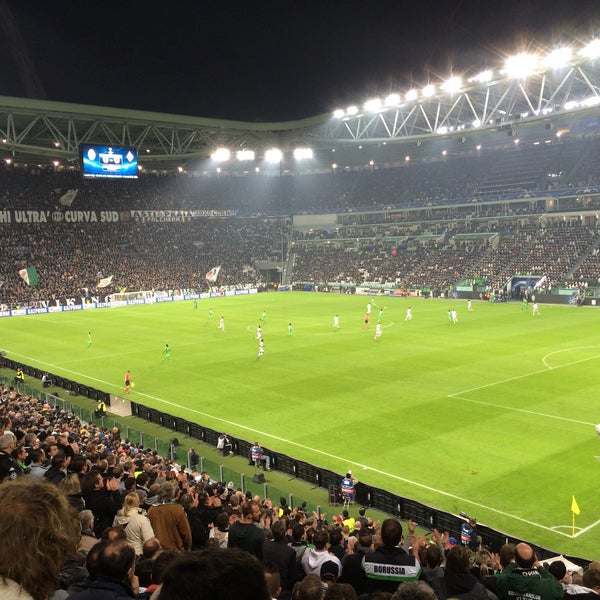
{"type": "Point", "coordinates": [352, 571]}
{"type": "Point", "coordinates": [115, 574]}
{"type": "Point", "coordinates": [284, 556]}
{"type": "Point", "coordinates": [245, 534]}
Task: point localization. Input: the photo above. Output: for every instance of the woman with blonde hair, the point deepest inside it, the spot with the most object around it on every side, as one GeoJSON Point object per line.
{"type": "Point", "coordinates": [38, 530]}
{"type": "Point", "coordinates": [133, 519]}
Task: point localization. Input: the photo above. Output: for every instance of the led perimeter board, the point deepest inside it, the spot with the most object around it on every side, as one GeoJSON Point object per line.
{"type": "Point", "coordinates": [109, 161]}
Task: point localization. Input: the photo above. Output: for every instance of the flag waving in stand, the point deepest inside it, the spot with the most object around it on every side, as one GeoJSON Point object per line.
{"type": "Point", "coordinates": [29, 276]}
{"type": "Point", "coordinates": [574, 511]}
{"type": "Point", "coordinates": [212, 274]}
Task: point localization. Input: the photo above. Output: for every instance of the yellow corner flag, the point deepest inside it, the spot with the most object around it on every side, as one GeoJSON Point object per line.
{"type": "Point", "coordinates": [574, 506]}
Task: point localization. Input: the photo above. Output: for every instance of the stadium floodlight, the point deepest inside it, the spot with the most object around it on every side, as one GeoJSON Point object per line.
{"type": "Point", "coordinates": [591, 101]}
{"type": "Point", "coordinates": [520, 66]}
{"type": "Point", "coordinates": [273, 155]}
{"type": "Point", "coordinates": [476, 123]}
{"type": "Point", "coordinates": [352, 110]}
{"type": "Point", "coordinates": [392, 100]}
{"type": "Point", "coordinates": [452, 85]}
{"type": "Point", "coordinates": [483, 77]}
{"type": "Point", "coordinates": [373, 105]}
{"type": "Point", "coordinates": [411, 95]}
{"type": "Point", "coordinates": [442, 130]}
{"type": "Point", "coordinates": [303, 153]}
{"type": "Point", "coordinates": [428, 91]}
{"type": "Point", "coordinates": [180, 169]}
{"type": "Point", "coordinates": [407, 158]}
{"type": "Point", "coordinates": [244, 155]}
{"type": "Point", "coordinates": [558, 58]}
{"type": "Point", "coordinates": [571, 105]}
{"type": "Point", "coordinates": [220, 155]}
{"type": "Point", "coordinates": [478, 147]}
{"type": "Point", "coordinates": [591, 50]}
{"type": "Point", "coordinates": [338, 113]}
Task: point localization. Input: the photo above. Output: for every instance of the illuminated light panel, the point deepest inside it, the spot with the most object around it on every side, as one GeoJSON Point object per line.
{"type": "Point", "coordinates": [352, 110]}
{"type": "Point", "coordinates": [338, 113]}
{"type": "Point", "coordinates": [483, 77]}
{"type": "Point", "coordinates": [411, 95]}
{"type": "Point", "coordinates": [220, 155]}
{"type": "Point", "coordinates": [303, 153]}
{"type": "Point", "coordinates": [392, 100]}
{"type": "Point", "coordinates": [591, 50]}
{"type": "Point", "coordinates": [428, 91]}
{"type": "Point", "coordinates": [521, 66]}
{"type": "Point", "coordinates": [558, 58]}
{"type": "Point", "coordinates": [452, 85]}
{"type": "Point", "coordinates": [244, 155]}
{"type": "Point", "coordinates": [592, 101]}
{"type": "Point", "coordinates": [273, 155]}
{"type": "Point", "coordinates": [373, 105]}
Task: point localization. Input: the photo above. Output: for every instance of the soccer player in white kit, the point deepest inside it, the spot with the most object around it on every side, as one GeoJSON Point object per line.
{"type": "Point", "coordinates": [377, 331]}
{"type": "Point", "coordinates": [336, 321]}
{"type": "Point", "coordinates": [408, 314]}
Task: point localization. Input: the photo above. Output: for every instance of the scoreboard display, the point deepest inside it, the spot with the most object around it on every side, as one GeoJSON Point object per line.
{"type": "Point", "coordinates": [109, 161]}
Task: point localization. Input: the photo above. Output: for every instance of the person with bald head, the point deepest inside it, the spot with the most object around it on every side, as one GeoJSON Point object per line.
{"type": "Point", "coordinates": [526, 579]}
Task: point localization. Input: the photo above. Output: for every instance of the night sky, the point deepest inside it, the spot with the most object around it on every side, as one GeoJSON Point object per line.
{"type": "Point", "coordinates": [263, 61]}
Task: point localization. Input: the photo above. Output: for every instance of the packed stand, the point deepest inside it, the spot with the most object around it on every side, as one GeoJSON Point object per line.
{"type": "Point", "coordinates": [122, 522]}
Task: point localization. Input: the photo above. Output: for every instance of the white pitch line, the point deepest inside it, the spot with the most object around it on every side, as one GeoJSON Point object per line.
{"type": "Point", "coordinates": [265, 434]}
{"type": "Point", "coordinates": [458, 396]}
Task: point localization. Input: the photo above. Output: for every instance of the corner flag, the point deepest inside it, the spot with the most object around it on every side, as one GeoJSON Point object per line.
{"type": "Point", "coordinates": [574, 506]}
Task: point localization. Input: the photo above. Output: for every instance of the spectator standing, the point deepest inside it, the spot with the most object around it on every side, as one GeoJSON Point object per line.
{"type": "Point", "coordinates": [135, 521]}
{"type": "Point", "coordinates": [457, 581]}
{"type": "Point", "coordinates": [284, 556]}
{"type": "Point", "coordinates": [379, 564]}
{"type": "Point", "coordinates": [169, 521]}
{"type": "Point", "coordinates": [9, 468]}
{"type": "Point", "coordinates": [245, 533]}
{"type": "Point", "coordinates": [313, 558]}
{"type": "Point", "coordinates": [525, 578]}
{"type": "Point", "coordinates": [103, 497]}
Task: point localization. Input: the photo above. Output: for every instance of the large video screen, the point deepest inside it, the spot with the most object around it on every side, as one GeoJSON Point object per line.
{"type": "Point", "coordinates": [109, 161]}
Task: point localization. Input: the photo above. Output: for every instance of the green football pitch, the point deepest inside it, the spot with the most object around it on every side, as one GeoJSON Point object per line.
{"type": "Point", "coordinates": [494, 415]}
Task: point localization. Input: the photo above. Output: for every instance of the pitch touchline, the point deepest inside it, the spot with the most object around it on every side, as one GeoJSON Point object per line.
{"type": "Point", "coordinates": [322, 452]}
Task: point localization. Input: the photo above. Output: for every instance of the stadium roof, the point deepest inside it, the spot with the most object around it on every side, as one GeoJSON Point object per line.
{"type": "Point", "coordinates": [551, 92]}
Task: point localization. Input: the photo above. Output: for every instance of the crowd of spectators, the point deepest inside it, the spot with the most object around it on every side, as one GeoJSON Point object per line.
{"type": "Point", "coordinates": [538, 163]}
{"type": "Point", "coordinates": [120, 521]}
{"type": "Point", "coordinates": [407, 237]}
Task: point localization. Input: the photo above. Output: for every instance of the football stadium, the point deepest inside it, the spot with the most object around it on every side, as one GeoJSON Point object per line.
{"type": "Point", "coordinates": [418, 309]}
